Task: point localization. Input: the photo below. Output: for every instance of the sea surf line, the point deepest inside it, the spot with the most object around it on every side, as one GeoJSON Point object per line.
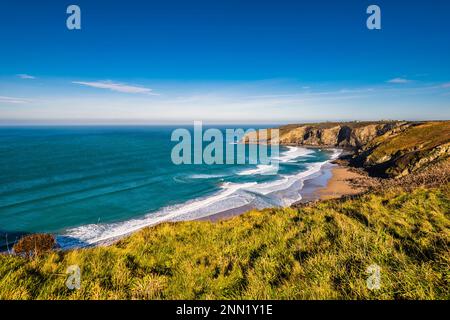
{"type": "Point", "coordinates": [280, 192]}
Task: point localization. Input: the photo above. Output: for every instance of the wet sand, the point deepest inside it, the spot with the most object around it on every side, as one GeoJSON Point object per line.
{"type": "Point", "coordinates": [331, 184]}
{"type": "Point", "coordinates": [316, 182]}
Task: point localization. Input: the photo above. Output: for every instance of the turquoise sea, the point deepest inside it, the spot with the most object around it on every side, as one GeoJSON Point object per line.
{"type": "Point", "coordinates": [88, 184]}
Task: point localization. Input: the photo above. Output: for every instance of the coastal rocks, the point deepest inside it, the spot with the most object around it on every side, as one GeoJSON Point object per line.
{"type": "Point", "coordinates": [386, 149]}
{"type": "Point", "coordinates": [405, 150]}
{"type": "Point", "coordinates": [362, 135]}
{"type": "Point", "coordinates": [309, 135]}
{"type": "Point", "coordinates": [436, 154]}
{"type": "Point", "coordinates": [345, 135]}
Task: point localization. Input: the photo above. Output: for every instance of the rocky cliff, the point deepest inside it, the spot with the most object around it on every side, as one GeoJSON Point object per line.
{"type": "Point", "coordinates": [385, 149]}
{"type": "Point", "coordinates": [344, 134]}
{"type": "Point", "coordinates": [398, 153]}
{"type": "Point", "coordinates": [347, 135]}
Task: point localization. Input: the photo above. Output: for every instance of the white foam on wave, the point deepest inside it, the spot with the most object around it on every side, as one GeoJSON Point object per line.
{"type": "Point", "coordinates": [94, 233]}
{"type": "Point", "coordinates": [287, 181]}
{"type": "Point", "coordinates": [206, 176]}
{"type": "Point", "coordinates": [294, 153]}
{"type": "Point", "coordinates": [336, 154]}
{"type": "Point", "coordinates": [281, 192]}
{"type": "Point", "coordinates": [271, 169]}
{"type": "Point", "coordinates": [262, 169]}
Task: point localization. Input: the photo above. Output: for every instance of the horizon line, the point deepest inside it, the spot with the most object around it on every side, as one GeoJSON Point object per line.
{"type": "Point", "coordinates": [68, 123]}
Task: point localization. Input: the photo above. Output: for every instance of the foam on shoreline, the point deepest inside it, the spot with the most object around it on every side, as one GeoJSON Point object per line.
{"type": "Point", "coordinates": [278, 193]}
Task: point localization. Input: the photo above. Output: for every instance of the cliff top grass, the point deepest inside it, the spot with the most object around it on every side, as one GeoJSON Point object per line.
{"type": "Point", "coordinates": [315, 252]}
{"type": "Point", "coordinates": [331, 124]}
{"type": "Point", "coordinates": [421, 137]}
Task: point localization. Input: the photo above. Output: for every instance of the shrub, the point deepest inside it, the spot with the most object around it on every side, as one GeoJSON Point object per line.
{"type": "Point", "coordinates": [34, 245]}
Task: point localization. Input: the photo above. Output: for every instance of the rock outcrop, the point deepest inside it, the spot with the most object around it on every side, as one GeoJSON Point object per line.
{"type": "Point", "coordinates": [400, 153]}
{"type": "Point", "coordinates": [384, 149]}
{"type": "Point", "coordinates": [345, 134]}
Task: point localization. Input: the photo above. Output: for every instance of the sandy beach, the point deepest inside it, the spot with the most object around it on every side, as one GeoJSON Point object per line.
{"type": "Point", "coordinates": [338, 185]}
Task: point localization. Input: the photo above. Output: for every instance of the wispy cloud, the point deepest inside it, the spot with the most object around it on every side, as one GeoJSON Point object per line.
{"type": "Point", "coordinates": [114, 86]}
{"type": "Point", "coordinates": [25, 76]}
{"type": "Point", "coordinates": [13, 100]}
{"type": "Point", "coordinates": [399, 80]}
{"type": "Point", "coordinates": [446, 85]}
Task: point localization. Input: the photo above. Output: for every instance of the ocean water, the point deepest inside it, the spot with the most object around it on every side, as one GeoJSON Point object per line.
{"type": "Point", "coordinates": [89, 184]}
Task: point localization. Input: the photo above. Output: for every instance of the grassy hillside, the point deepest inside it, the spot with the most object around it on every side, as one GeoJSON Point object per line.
{"type": "Point", "coordinates": [317, 252]}
{"type": "Point", "coordinates": [423, 136]}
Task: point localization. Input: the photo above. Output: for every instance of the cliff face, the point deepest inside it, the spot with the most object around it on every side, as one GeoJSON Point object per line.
{"type": "Point", "coordinates": [384, 149]}
{"type": "Point", "coordinates": [340, 135]}
{"type": "Point", "coordinates": [401, 152]}
{"type": "Point", "coordinates": [345, 134]}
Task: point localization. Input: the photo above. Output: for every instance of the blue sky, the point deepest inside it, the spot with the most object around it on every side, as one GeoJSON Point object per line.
{"type": "Point", "coordinates": [223, 61]}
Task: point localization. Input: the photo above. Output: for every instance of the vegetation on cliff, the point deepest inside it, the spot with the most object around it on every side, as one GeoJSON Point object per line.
{"type": "Point", "coordinates": [398, 153]}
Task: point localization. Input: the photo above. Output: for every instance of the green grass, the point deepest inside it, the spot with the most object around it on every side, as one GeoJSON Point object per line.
{"type": "Point", "coordinates": [421, 137]}
{"type": "Point", "coordinates": [327, 125]}
{"type": "Point", "coordinates": [319, 252]}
